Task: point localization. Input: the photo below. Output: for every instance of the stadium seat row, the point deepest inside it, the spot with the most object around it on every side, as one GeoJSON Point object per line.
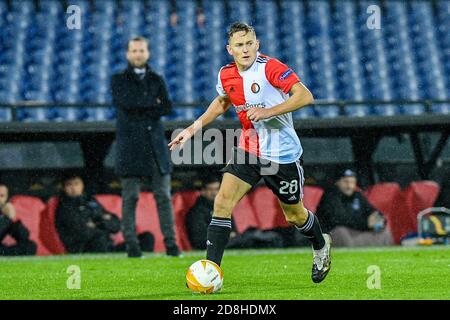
{"type": "Point", "coordinates": [402, 206]}
{"type": "Point", "coordinates": [58, 114]}
{"type": "Point", "coordinates": [327, 42]}
{"type": "Point", "coordinates": [259, 209]}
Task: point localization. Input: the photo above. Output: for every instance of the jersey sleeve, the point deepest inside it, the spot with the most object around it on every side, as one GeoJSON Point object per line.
{"type": "Point", "coordinates": [280, 75]}
{"type": "Point", "coordinates": [219, 87]}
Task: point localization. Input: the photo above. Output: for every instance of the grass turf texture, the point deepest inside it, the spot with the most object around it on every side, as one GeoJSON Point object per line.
{"type": "Point", "coordinates": [406, 273]}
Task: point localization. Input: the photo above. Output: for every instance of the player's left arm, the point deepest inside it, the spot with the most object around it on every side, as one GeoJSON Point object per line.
{"type": "Point", "coordinates": [285, 79]}
{"type": "Point", "coordinates": [300, 97]}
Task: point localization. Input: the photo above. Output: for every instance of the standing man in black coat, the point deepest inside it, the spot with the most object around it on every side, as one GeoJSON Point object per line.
{"type": "Point", "coordinates": [141, 98]}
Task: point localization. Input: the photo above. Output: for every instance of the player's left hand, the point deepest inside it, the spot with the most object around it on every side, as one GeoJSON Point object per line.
{"type": "Point", "coordinates": [256, 114]}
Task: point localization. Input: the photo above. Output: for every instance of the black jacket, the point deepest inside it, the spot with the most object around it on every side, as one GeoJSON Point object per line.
{"type": "Point", "coordinates": [72, 217]}
{"type": "Point", "coordinates": [140, 133]}
{"type": "Point", "coordinates": [23, 245]}
{"type": "Point", "coordinates": [336, 209]}
{"type": "Point", "coordinates": [13, 228]}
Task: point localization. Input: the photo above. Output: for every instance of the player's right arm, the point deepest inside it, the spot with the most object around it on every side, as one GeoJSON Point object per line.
{"type": "Point", "coordinates": [217, 107]}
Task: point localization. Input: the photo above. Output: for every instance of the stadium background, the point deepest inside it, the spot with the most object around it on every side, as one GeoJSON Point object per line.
{"type": "Point", "coordinates": [382, 95]}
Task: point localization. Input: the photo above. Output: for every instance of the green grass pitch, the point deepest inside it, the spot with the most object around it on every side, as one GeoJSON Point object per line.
{"type": "Point", "coordinates": [405, 273]}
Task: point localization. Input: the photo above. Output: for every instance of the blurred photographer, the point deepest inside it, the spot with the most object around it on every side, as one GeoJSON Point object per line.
{"type": "Point", "coordinates": [9, 225]}
{"type": "Point", "coordinates": [82, 223]}
{"type": "Point", "coordinates": [348, 216]}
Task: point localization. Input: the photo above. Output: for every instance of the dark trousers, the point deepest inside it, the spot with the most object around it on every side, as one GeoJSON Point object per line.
{"type": "Point", "coordinates": [131, 187]}
{"type": "Point", "coordinates": [99, 243]}
{"type": "Point", "coordinates": [26, 248]}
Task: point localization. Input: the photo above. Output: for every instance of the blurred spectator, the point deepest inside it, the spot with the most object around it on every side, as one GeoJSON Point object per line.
{"type": "Point", "coordinates": [173, 19]}
{"type": "Point", "coordinates": [84, 225]}
{"type": "Point", "coordinates": [9, 225]}
{"type": "Point", "coordinates": [347, 215]}
{"type": "Point", "coordinates": [199, 218]}
{"type": "Point", "coordinates": [201, 18]}
{"type": "Point", "coordinates": [141, 98]}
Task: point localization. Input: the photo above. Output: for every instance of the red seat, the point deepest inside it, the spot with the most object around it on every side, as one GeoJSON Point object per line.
{"type": "Point", "coordinates": [244, 215]}
{"type": "Point", "coordinates": [312, 196]}
{"type": "Point", "coordinates": [418, 196]}
{"type": "Point", "coordinates": [267, 209]}
{"type": "Point", "coordinates": [182, 201]}
{"type": "Point", "coordinates": [47, 229]}
{"type": "Point", "coordinates": [113, 204]}
{"type": "Point", "coordinates": [28, 210]}
{"type": "Point", "coordinates": [388, 199]}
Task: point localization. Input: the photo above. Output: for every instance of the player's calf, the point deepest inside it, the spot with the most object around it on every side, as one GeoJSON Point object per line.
{"type": "Point", "coordinates": [218, 234]}
{"type": "Point", "coordinates": [223, 206]}
{"type": "Point", "coordinates": [306, 222]}
{"type": "Point", "coordinates": [296, 216]}
{"type": "Point", "coordinates": [312, 230]}
{"type": "Point", "coordinates": [219, 229]}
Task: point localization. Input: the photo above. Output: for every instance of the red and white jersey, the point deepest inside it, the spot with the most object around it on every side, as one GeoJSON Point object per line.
{"type": "Point", "coordinates": [264, 85]}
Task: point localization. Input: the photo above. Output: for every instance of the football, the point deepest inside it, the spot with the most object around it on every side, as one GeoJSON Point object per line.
{"type": "Point", "coordinates": [204, 276]}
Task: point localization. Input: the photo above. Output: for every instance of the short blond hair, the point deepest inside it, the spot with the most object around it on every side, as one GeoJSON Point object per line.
{"type": "Point", "coordinates": [237, 27]}
{"type": "Point", "coordinates": [138, 38]}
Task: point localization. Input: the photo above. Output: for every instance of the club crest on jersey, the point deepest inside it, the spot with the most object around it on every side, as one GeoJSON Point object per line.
{"type": "Point", "coordinates": [255, 87]}
{"type": "Point", "coordinates": [286, 74]}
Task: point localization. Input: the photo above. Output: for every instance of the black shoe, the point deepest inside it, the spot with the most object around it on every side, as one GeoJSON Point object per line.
{"type": "Point", "coordinates": [134, 251]}
{"type": "Point", "coordinates": [173, 251]}
{"type": "Point", "coordinates": [322, 261]}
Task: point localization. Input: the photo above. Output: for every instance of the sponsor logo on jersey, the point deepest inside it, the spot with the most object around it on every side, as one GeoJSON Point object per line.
{"type": "Point", "coordinates": [286, 74]}
{"type": "Point", "coordinates": [247, 106]}
{"type": "Point", "coordinates": [255, 87]}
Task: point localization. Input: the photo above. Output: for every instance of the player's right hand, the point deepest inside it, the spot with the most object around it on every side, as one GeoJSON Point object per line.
{"type": "Point", "coordinates": [181, 138]}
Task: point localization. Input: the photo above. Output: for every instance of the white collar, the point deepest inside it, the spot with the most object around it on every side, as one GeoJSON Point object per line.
{"type": "Point", "coordinates": [139, 70]}
{"type": "Point", "coordinates": [253, 64]}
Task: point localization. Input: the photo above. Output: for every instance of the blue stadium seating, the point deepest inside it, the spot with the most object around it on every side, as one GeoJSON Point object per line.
{"type": "Point", "coordinates": [327, 42]}
{"type": "Point", "coordinates": [441, 108]}
{"type": "Point", "coordinates": [5, 115]}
